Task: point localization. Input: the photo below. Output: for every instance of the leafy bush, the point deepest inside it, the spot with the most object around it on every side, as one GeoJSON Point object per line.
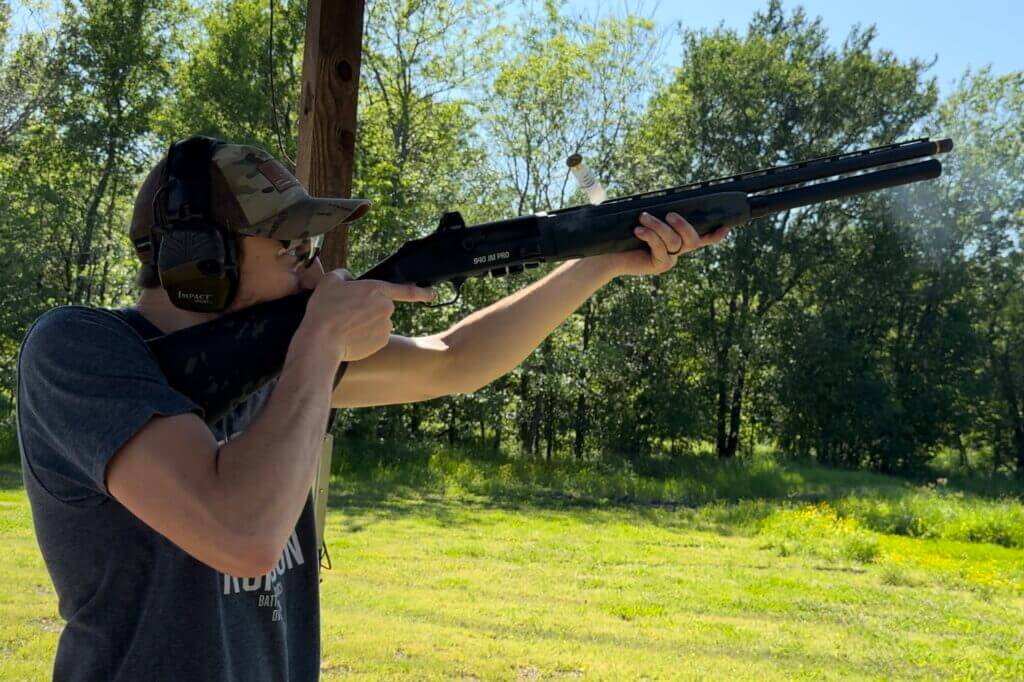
{"type": "Point", "coordinates": [930, 512]}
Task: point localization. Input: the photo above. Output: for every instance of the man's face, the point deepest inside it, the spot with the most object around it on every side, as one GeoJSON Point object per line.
{"type": "Point", "coordinates": [265, 274]}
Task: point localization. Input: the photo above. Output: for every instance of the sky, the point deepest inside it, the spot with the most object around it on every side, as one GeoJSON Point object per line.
{"type": "Point", "coordinates": [960, 34]}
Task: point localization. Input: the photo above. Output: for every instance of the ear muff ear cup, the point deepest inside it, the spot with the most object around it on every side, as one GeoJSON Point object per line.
{"type": "Point", "coordinates": [195, 256]}
{"type": "Point", "coordinates": [198, 267]}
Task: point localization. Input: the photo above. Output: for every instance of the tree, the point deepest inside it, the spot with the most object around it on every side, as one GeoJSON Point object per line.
{"type": "Point", "coordinates": [69, 180]}
{"type": "Point", "coordinates": [28, 74]}
{"type": "Point", "coordinates": [984, 193]}
{"type": "Point", "coordinates": [564, 85]}
{"type": "Point", "coordinates": [777, 94]}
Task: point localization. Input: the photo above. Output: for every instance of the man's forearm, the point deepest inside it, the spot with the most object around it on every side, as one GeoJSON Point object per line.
{"type": "Point", "coordinates": [266, 472]}
{"type": "Point", "coordinates": [494, 340]}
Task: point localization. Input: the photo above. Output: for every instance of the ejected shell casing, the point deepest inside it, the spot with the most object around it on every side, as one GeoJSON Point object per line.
{"type": "Point", "coordinates": [586, 180]}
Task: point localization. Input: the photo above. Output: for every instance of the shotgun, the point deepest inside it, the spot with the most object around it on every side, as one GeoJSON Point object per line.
{"type": "Point", "coordinates": [219, 364]}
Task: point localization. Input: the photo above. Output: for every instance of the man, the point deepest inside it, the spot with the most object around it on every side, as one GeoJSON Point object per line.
{"type": "Point", "coordinates": [184, 550]}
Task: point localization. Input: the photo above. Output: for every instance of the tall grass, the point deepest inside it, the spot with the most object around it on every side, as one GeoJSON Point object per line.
{"type": "Point", "coordinates": [742, 493]}
{"type": "Point", "coordinates": [819, 530]}
{"type": "Point", "coordinates": [929, 512]}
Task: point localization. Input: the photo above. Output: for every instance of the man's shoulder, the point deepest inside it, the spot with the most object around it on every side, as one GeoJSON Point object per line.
{"type": "Point", "coordinates": [71, 318]}
{"type": "Point", "coordinates": [72, 323]}
{"type": "Point", "coordinates": [74, 334]}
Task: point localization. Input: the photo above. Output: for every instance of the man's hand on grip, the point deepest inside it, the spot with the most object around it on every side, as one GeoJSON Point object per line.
{"type": "Point", "coordinates": [354, 316]}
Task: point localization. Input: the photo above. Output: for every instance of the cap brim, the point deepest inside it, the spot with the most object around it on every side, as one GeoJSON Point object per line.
{"type": "Point", "coordinates": [309, 217]}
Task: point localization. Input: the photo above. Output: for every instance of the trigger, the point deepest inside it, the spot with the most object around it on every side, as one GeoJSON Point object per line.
{"type": "Point", "coordinates": [456, 285]}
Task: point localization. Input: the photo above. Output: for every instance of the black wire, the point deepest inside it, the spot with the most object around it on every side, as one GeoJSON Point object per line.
{"type": "Point", "coordinates": [273, 92]}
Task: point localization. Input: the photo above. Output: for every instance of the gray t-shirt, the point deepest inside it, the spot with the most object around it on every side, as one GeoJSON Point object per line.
{"type": "Point", "coordinates": [137, 607]}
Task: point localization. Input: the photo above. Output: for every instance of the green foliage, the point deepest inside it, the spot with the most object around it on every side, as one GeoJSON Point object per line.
{"type": "Point", "coordinates": [222, 87]}
{"type": "Point", "coordinates": [985, 193]}
{"type": "Point", "coordinates": [9, 445]}
{"type": "Point", "coordinates": [870, 333]}
{"type": "Point", "coordinates": [27, 70]}
{"type": "Point", "coordinates": [776, 94]}
{"type": "Point", "coordinates": [68, 173]}
{"type": "Point", "coordinates": [936, 513]}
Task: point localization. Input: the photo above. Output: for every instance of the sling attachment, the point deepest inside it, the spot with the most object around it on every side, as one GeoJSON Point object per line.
{"type": "Point", "coordinates": [320, 493]}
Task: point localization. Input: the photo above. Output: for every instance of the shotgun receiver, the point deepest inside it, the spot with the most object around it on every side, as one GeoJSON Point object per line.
{"type": "Point", "coordinates": [218, 364]}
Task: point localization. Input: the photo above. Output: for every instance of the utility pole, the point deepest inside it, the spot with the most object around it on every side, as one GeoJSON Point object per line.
{"type": "Point", "coordinates": [327, 149]}
{"type": "Point", "coordinates": [327, 108]}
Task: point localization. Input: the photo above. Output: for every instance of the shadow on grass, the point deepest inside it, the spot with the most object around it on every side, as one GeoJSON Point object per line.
{"type": "Point", "coordinates": [701, 493]}
{"type": "Point", "coordinates": [365, 503]}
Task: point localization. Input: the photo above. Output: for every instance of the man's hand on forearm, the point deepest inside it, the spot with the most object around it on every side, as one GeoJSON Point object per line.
{"type": "Point", "coordinates": [666, 241]}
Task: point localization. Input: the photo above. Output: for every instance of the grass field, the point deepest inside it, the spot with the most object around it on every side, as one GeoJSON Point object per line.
{"type": "Point", "coordinates": [448, 572]}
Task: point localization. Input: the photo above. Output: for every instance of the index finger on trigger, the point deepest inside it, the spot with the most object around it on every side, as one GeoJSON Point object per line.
{"type": "Point", "coordinates": [407, 293]}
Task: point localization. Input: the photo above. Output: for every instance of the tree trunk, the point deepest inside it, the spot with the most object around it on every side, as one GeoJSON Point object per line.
{"type": "Point", "coordinates": [498, 414]}
{"type": "Point", "coordinates": [721, 441]}
{"type": "Point", "coordinates": [84, 255]}
{"type": "Point", "coordinates": [549, 432]}
{"type": "Point", "coordinates": [732, 443]}
{"type": "Point", "coordinates": [452, 417]}
{"type": "Point", "coordinates": [109, 236]}
{"type": "Point", "coordinates": [723, 347]}
{"type": "Point", "coordinates": [522, 421]}
{"type": "Point", "coordinates": [538, 408]}
{"type": "Point", "coordinates": [1013, 410]}
{"type": "Point", "coordinates": [327, 109]}
{"type": "Point", "coordinates": [962, 450]}
{"type": "Point", "coordinates": [581, 398]}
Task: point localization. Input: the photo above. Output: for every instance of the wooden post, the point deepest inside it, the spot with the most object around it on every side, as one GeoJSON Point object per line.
{"type": "Point", "coordinates": [327, 148]}
{"type": "Point", "coordinates": [327, 108]}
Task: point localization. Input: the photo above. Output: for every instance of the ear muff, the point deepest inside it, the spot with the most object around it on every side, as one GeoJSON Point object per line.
{"type": "Point", "coordinates": [198, 267]}
{"type": "Point", "coordinates": [196, 258]}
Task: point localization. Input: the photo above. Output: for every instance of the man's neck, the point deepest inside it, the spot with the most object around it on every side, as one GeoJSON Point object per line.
{"type": "Point", "coordinates": [156, 306]}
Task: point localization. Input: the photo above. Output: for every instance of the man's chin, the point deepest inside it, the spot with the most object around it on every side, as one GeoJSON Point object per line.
{"type": "Point", "coordinates": [243, 302]}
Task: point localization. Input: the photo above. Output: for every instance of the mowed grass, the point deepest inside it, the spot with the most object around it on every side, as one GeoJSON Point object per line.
{"type": "Point", "coordinates": [451, 583]}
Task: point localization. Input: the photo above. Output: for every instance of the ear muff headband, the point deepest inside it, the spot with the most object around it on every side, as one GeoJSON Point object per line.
{"type": "Point", "coordinates": [187, 174]}
{"type": "Point", "coordinates": [196, 257]}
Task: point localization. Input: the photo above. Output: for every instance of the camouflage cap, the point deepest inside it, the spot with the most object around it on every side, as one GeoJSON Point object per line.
{"type": "Point", "coordinates": [252, 194]}
{"type": "Point", "coordinates": [271, 200]}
